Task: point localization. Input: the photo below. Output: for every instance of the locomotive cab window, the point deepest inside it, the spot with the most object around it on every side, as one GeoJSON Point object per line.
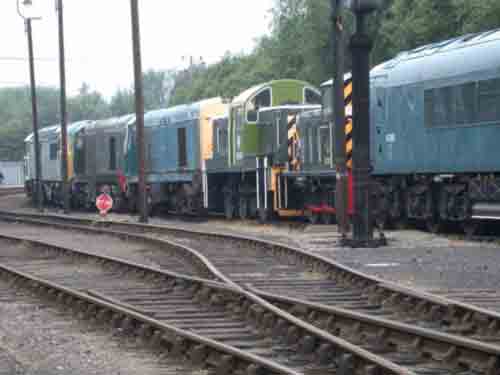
{"type": "Point", "coordinates": [53, 151]}
{"type": "Point", "coordinates": [310, 137]}
{"type": "Point", "coordinates": [182, 151]}
{"type": "Point", "coordinates": [112, 153]}
{"type": "Point", "coordinates": [79, 157]}
{"type": "Point", "coordinates": [311, 96]}
{"type": "Point", "coordinates": [489, 100]}
{"type": "Point", "coordinates": [221, 139]}
{"type": "Point", "coordinates": [131, 137]}
{"type": "Point", "coordinates": [327, 101]}
{"type": "Point", "coordinates": [237, 117]}
{"type": "Point", "coordinates": [324, 145]}
{"type": "Point", "coordinates": [261, 100]}
{"type": "Point", "coordinates": [465, 104]}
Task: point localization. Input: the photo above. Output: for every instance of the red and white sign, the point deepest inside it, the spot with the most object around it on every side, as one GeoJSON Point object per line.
{"type": "Point", "coordinates": [104, 203]}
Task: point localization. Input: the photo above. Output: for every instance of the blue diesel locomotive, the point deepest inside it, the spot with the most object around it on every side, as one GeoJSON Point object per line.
{"type": "Point", "coordinates": [435, 133]}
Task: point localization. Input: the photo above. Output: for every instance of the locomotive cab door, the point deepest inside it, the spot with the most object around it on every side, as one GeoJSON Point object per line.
{"type": "Point", "coordinates": [382, 140]}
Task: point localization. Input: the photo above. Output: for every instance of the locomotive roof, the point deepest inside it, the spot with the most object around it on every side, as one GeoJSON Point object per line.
{"type": "Point", "coordinates": [76, 126]}
{"type": "Point", "coordinates": [472, 53]}
{"type": "Point", "coordinates": [247, 94]}
{"type": "Point", "coordinates": [179, 113]}
{"type": "Point", "coordinates": [44, 133]}
{"type": "Point", "coordinates": [55, 130]}
{"type": "Point", "coordinates": [113, 122]}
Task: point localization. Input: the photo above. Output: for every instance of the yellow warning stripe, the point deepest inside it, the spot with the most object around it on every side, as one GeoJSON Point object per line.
{"type": "Point", "coordinates": [347, 89]}
{"type": "Point", "coordinates": [293, 136]}
{"type": "Point", "coordinates": [348, 127]}
{"type": "Point", "coordinates": [291, 132]}
{"type": "Point", "coordinates": [348, 145]}
{"type": "Point", "coordinates": [348, 120]}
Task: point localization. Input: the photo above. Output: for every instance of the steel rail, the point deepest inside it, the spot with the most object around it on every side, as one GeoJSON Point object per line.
{"type": "Point", "coordinates": [305, 337]}
{"type": "Point", "coordinates": [471, 353]}
{"type": "Point", "coordinates": [384, 334]}
{"type": "Point", "coordinates": [158, 332]}
{"type": "Point", "coordinates": [203, 266]}
{"type": "Point", "coordinates": [462, 317]}
{"type": "Point", "coordinates": [61, 321]}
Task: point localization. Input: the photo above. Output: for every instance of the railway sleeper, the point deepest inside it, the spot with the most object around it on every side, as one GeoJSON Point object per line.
{"type": "Point", "coordinates": [393, 343]}
{"type": "Point", "coordinates": [432, 309]}
{"type": "Point", "coordinates": [175, 345]}
{"type": "Point", "coordinates": [350, 280]}
{"type": "Point", "coordinates": [297, 335]}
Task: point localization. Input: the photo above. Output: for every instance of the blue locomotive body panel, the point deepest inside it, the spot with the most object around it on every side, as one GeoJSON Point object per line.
{"type": "Point", "coordinates": [436, 110]}
{"type": "Point", "coordinates": [172, 145]}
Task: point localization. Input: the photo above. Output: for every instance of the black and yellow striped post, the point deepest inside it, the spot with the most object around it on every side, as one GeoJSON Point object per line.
{"type": "Point", "coordinates": [338, 119]}
{"type": "Point", "coordinates": [361, 45]}
{"type": "Point", "coordinates": [348, 121]}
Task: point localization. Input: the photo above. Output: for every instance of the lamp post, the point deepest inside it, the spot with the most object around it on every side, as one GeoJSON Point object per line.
{"type": "Point", "coordinates": [38, 193]}
{"type": "Point", "coordinates": [360, 46]}
{"type": "Point", "coordinates": [139, 110]}
{"type": "Point", "coordinates": [338, 118]}
{"type": "Point", "coordinates": [64, 114]}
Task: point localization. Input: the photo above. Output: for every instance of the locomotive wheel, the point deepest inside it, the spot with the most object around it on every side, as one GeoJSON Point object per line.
{"type": "Point", "coordinates": [252, 207]}
{"type": "Point", "coordinates": [150, 206]}
{"type": "Point", "coordinates": [470, 229]}
{"type": "Point", "coordinates": [433, 225]}
{"type": "Point", "coordinates": [117, 204]}
{"type": "Point", "coordinates": [263, 215]}
{"type": "Point", "coordinates": [326, 218]}
{"type": "Point", "coordinates": [313, 218]}
{"type": "Point", "coordinates": [228, 207]}
{"type": "Point", "coordinates": [132, 204]}
{"type": "Point", "coordinates": [401, 223]}
{"type": "Point", "coordinates": [382, 221]}
{"type": "Point", "coordinates": [243, 208]}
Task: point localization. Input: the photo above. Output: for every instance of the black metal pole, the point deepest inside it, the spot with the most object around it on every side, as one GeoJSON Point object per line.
{"type": "Point", "coordinates": [360, 46]}
{"type": "Point", "coordinates": [34, 109]}
{"type": "Point", "coordinates": [64, 114]}
{"type": "Point", "coordinates": [338, 118]}
{"type": "Point", "coordinates": [139, 110]}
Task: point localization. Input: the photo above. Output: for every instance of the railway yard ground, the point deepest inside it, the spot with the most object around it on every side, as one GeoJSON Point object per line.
{"type": "Point", "coordinates": [39, 336]}
{"type": "Point", "coordinates": [432, 262]}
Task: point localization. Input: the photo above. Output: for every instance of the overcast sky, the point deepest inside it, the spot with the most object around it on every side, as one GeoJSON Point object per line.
{"type": "Point", "coordinates": [98, 38]}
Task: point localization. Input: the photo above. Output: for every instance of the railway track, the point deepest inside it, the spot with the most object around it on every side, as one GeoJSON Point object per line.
{"type": "Point", "coordinates": [50, 334]}
{"type": "Point", "coordinates": [415, 349]}
{"type": "Point", "coordinates": [207, 321]}
{"type": "Point", "coordinates": [278, 269]}
{"type": "Point", "coordinates": [485, 298]}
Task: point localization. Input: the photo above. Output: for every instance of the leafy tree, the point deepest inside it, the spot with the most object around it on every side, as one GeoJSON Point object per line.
{"type": "Point", "coordinates": [122, 102]}
{"type": "Point", "coordinates": [157, 88]}
{"type": "Point", "coordinates": [16, 120]}
{"type": "Point", "coordinates": [87, 105]}
{"type": "Point", "coordinates": [298, 46]}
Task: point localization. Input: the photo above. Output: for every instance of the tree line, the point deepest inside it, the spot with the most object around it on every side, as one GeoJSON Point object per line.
{"type": "Point", "coordinates": [15, 108]}
{"type": "Point", "coordinates": [298, 46]}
